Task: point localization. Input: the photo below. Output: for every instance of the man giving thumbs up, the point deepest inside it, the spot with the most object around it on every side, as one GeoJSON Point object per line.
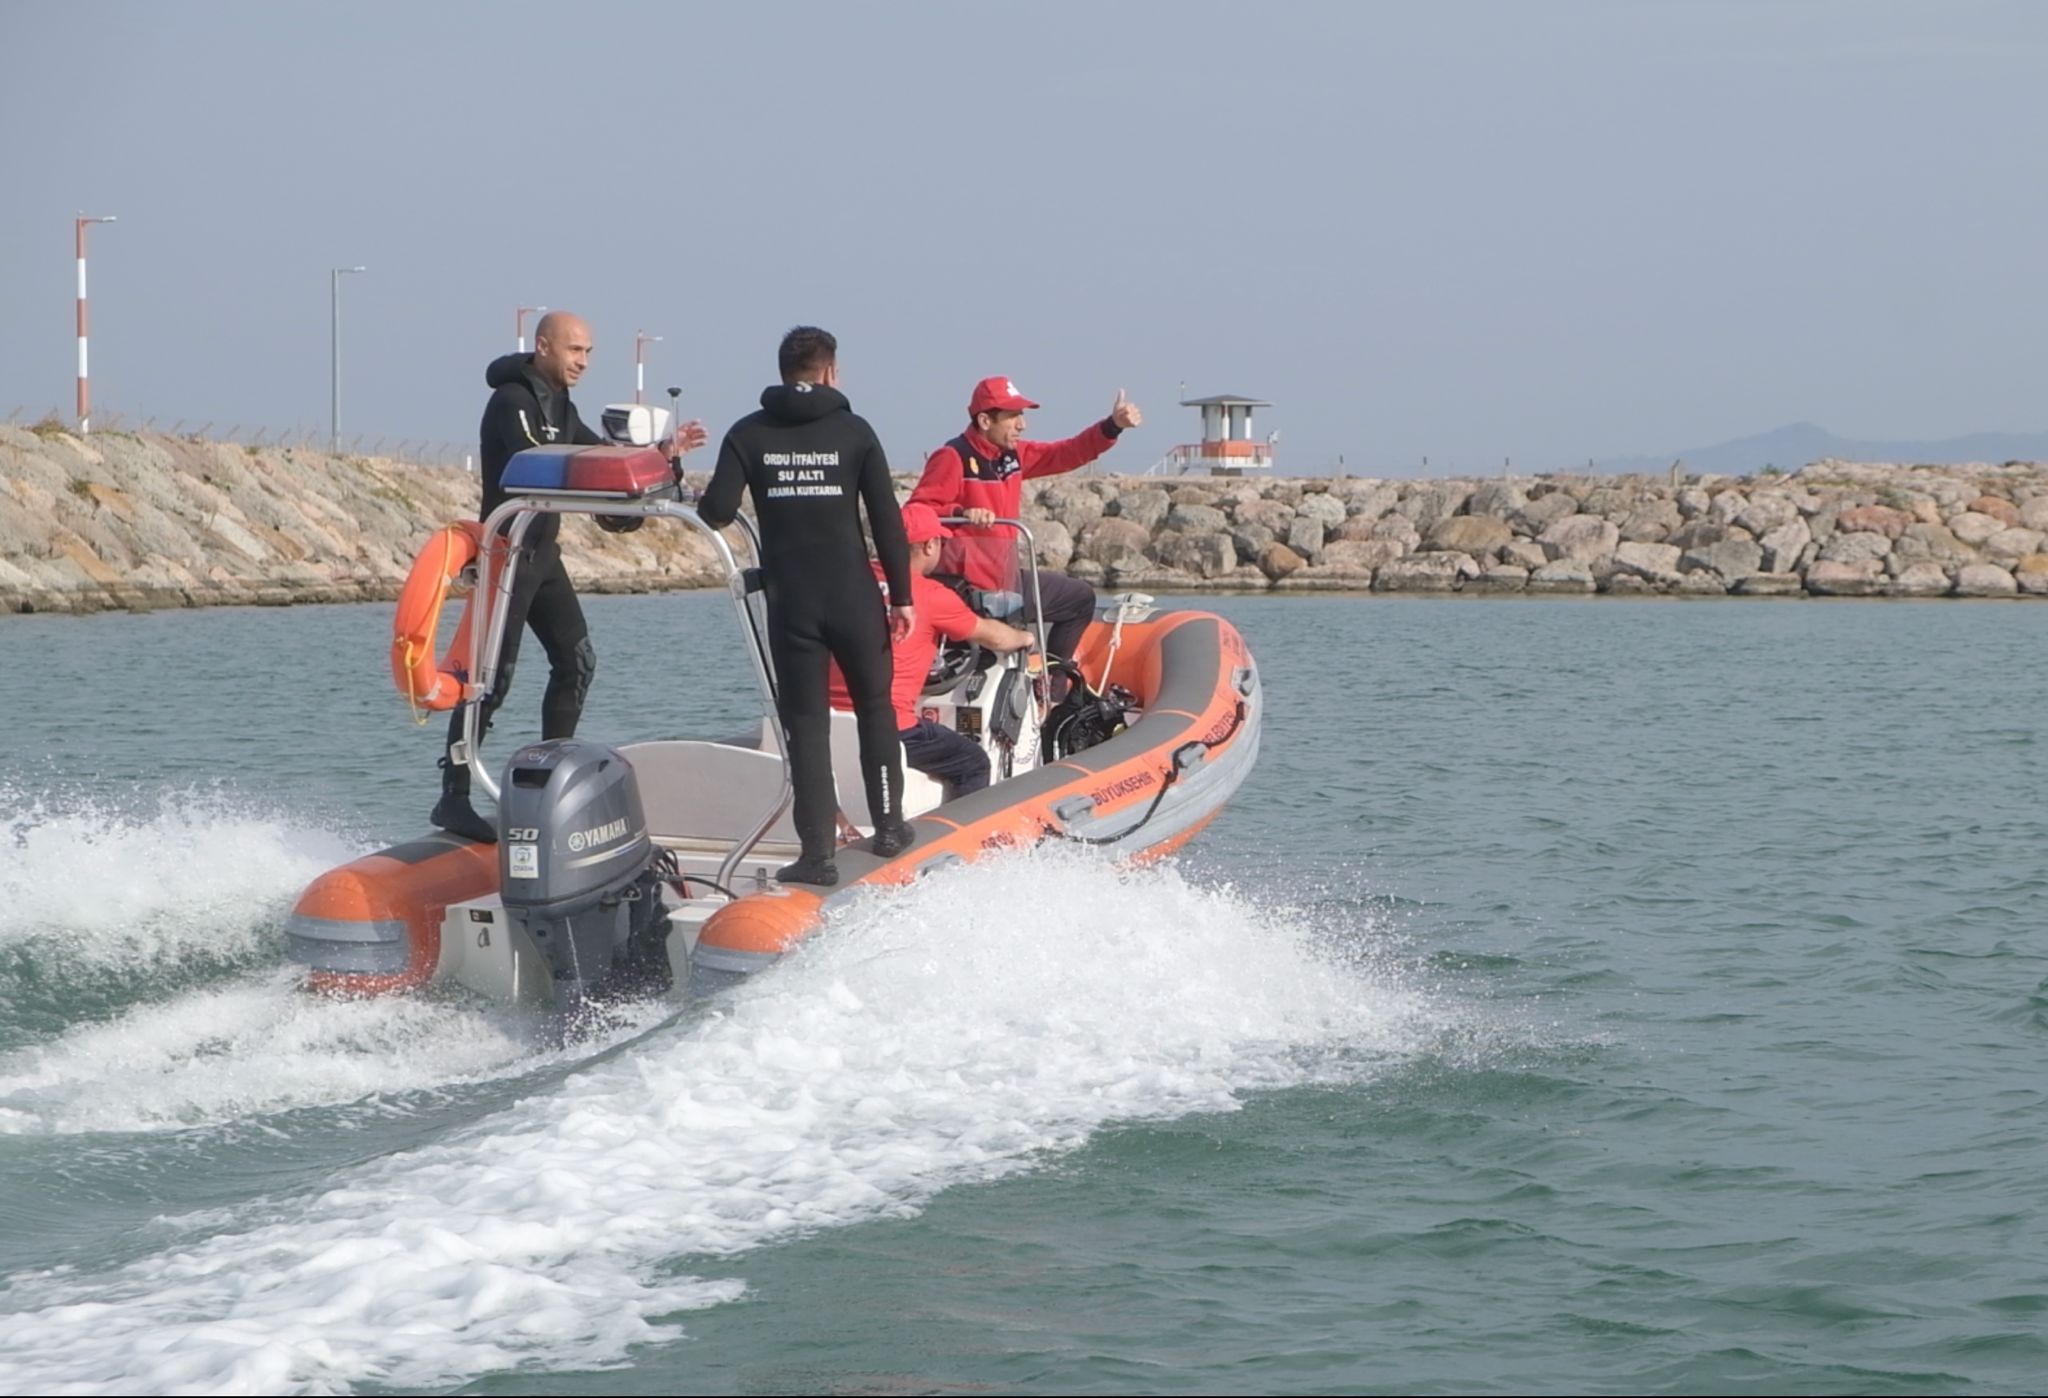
{"type": "Point", "coordinates": [980, 475]}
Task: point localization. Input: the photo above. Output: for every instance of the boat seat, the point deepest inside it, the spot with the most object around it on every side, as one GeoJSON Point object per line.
{"type": "Point", "coordinates": [920, 792]}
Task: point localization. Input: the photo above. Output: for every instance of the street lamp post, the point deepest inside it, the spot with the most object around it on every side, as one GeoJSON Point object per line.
{"type": "Point", "coordinates": [524, 312]}
{"type": "Point", "coordinates": [84, 386]}
{"type": "Point", "coordinates": [334, 355]}
{"type": "Point", "coordinates": [640, 339]}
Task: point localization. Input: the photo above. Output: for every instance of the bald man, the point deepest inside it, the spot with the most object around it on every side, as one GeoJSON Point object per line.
{"type": "Point", "coordinates": [530, 407]}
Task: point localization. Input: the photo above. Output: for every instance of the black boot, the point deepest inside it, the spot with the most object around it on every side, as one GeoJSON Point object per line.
{"type": "Point", "coordinates": [891, 838]}
{"type": "Point", "coordinates": [454, 813]}
{"type": "Point", "coordinates": [820, 871]}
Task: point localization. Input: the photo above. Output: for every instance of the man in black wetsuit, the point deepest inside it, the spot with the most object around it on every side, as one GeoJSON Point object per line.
{"type": "Point", "coordinates": [530, 407]}
{"type": "Point", "coordinates": [810, 464]}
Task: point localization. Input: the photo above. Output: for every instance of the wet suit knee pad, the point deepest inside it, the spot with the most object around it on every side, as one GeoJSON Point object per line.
{"type": "Point", "coordinates": [583, 669]}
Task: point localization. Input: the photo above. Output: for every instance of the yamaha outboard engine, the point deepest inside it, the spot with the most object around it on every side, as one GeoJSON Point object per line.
{"type": "Point", "coordinates": [577, 870]}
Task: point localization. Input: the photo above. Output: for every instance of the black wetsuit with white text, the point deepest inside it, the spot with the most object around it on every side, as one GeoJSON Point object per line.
{"type": "Point", "coordinates": [810, 464]}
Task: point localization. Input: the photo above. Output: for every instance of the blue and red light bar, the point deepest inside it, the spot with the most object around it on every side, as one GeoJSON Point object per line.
{"type": "Point", "coordinates": [626, 473]}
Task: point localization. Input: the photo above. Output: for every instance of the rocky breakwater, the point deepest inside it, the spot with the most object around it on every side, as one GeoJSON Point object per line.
{"type": "Point", "coordinates": [1831, 529]}
{"type": "Point", "coordinates": [142, 521]}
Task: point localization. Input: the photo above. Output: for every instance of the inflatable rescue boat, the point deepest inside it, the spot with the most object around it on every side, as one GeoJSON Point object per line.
{"type": "Point", "coordinates": [631, 870]}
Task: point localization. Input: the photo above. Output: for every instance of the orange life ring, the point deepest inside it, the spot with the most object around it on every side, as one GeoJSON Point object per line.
{"type": "Point", "coordinates": [428, 684]}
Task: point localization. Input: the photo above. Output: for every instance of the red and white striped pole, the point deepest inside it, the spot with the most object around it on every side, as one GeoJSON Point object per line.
{"type": "Point", "coordinates": [84, 383]}
{"type": "Point", "coordinates": [640, 339]}
{"type": "Point", "coordinates": [524, 312]}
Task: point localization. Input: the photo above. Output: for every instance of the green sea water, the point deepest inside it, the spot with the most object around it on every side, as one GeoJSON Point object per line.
{"type": "Point", "coordinates": [1580, 996]}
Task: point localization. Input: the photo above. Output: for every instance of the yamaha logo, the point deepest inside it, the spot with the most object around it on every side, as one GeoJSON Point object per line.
{"type": "Point", "coordinates": [580, 840]}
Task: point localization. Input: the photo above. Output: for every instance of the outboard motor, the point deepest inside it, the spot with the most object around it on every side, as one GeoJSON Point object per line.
{"type": "Point", "coordinates": [578, 871]}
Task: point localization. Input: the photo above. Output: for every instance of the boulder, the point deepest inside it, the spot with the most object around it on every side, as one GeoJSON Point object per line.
{"type": "Point", "coordinates": [2034, 513]}
{"type": "Point", "coordinates": [1055, 543]}
{"type": "Point", "coordinates": [1496, 500]}
{"type": "Point", "coordinates": [1145, 508]}
{"type": "Point", "coordinates": [1204, 555]}
{"type": "Point", "coordinates": [1729, 560]}
{"type": "Point", "coordinates": [1934, 543]}
{"type": "Point", "coordinates": [1921, 579]}
{"type": "Point", "coordinates": [1277, 561]}
{"type": "Point", "coordinates": [1834, 578]}
{"type": "Point", "coordinates": [1655, 563]}
{"type": "Point", "coordinates": [1770, 585]}
{"type": "Point", "coordinates": [1766, 511]}
{"type": "Point", "coordinates": [2014, 543]}
{"type": "Point", "coordinates": [1478, 535]}
{"type": "Point", "coordinates": [1398, 527]}
{"type": "Point", "coordinates": [1999, 508]}
{"type": "Point", "coordinates": [1725, 505]}
{"type": "Point", "coordinates": [1425, 505]}
{"type": "Point", "coordinates": [1326, 509]}
{"type": "Point", "coordinates": [1523, 553]}
{"type": "Point", "coordinates": [1563, 575]}
{"type": "Point", "coordinates": [1581, 537]}
{"type": "Point", "coordinates": [1271, 515]}
{"type": "Point", "coordinates": [1651, 522]}
{"type": "Point", "coordinates": [1305, 537]}
{"type": "Point", "coordinates": [1144, 575]}
{"type": "Point", "coordinates": [1701, 533]}
{"type": "Point", "coordinates": [1628, 585]}
{"type": "Point", "coordinates": [1975, 527]}
{"type": "Point", "coordinates": [2031, 573]}
{"type": "Point", "coordinates": [1113, 540]}
{"type": "Point", "coordinates": [1855, 548]}
{"type": "Point", "coordinates": [1071, 503]}
{"type": "Point", "coordinates": [1367, 499]}
{"type": "Point", "coordinates": [1783, 545]}
{"type": "Point", "coordinates": [1362, 554]}
{"type": "Point", "coordinates": [1985, 580]}
{"type": "Point", "coordinates": [1543, 511]}
{"type": "Point", "coordinates": [1499, 577]}
{"type": "Point", "coordinates": [1197, 519]}
{"type": "Point", "coordinates": [1251, 540]}
{"type": "Point", "coordinates": [1873, 519]}
{"type": "Point", "coordinates": [1429, 572]}
{"type": "Point", "coordinates": [1702, 582]}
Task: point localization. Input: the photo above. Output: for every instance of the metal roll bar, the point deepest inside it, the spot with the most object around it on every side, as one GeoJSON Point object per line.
{"type": "Point", "coordinates": [487, 639]}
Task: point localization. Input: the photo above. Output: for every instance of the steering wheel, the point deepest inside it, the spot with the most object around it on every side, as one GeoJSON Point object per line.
{"type": "Point", "coordinates": [955, 661]}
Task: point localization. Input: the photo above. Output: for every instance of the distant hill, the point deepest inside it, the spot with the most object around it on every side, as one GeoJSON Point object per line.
{"type": "Point", "coordinates": [1789, 448]}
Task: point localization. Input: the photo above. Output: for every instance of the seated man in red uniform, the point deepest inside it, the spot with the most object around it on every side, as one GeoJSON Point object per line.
{"type": "Point", "coordinates": [980, 474]}
{"type": "Point", "coordinates": [929, 747]}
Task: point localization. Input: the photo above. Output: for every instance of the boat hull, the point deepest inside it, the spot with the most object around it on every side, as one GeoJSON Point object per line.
{"type": "Point", "coordinates": [425, 911]}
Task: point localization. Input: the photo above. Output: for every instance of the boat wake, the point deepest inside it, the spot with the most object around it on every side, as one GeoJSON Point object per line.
{"type": "Point", "coordinates": [176, 887]}
{"type": "Point", "coordinates": [954, 1032]}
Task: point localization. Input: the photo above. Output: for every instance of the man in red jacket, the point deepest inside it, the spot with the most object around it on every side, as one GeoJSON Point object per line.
{"type": "Point", "coordinates": [980, 475]}
{"type": "Point", "coordinates": [939, 752]}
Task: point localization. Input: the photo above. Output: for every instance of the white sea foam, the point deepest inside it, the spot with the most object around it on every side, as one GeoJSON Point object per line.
{"type": "Point", "coordinates": [257, 1046]}
{"type": "Point", "coordinates": [946, 1034]}
{"type": "Point", "coordinates": [90, 888]}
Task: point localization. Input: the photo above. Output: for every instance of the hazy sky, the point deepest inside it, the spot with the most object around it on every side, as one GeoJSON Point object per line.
{"type": "Point", "coordinates": [1550, 231]}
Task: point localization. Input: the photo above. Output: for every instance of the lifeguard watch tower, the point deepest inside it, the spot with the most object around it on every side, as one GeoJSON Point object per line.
{"type": "Point", "coordinates": [1227, 447]}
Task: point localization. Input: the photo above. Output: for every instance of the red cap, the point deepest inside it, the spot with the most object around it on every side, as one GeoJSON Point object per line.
{"type": "Point", "coordinates": [921, 523]}
{"type": "Point", "coordinates": [997, 395]}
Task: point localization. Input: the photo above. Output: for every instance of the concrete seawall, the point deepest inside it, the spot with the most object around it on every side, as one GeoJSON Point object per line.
{"type": "Point", "coordinates": [137, 521]}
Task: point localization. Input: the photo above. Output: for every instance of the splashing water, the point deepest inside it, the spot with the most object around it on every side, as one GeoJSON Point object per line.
{"type": "Point", "coordinates": [935, 1036]}
{"type": "Point", "coordinates": [94, 890]}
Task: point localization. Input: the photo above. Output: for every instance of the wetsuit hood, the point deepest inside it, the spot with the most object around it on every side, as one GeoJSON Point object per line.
{"type": "Point", "coordinates": [801, 402]}
{"type": "Point", "coordinates": [517, 368]}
